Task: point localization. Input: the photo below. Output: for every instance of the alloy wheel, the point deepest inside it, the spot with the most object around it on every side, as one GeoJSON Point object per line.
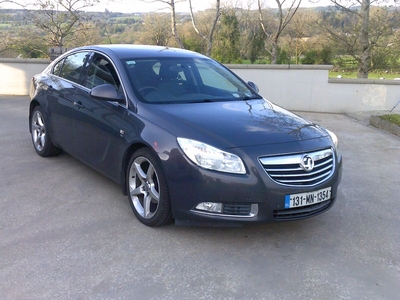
{"type": "Point", "coordinates": [144, 187]}
{"type": "Point", "coordinates": [38, 131]}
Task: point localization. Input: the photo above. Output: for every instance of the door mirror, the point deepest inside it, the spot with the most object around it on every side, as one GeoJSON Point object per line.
{"type": "Point", "coordinates": [106, 92]}
{"type": "Point", "coordinates": [253, 86]}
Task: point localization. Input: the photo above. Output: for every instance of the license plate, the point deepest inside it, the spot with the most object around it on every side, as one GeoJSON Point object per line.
{"type": "Point", "coordinates": [304, 199]}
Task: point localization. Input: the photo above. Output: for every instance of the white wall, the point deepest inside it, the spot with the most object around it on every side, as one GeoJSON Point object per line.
{"type": "Point", "coordinates": [295, 87]}
{"type": "Point", "coordinates": [16, 74]}
{"type": "Point", "coordinates": [307, 88]}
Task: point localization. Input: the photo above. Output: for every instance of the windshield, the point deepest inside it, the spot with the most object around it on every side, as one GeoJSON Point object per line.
{"type": "Point", "coordinates": [185, 80]}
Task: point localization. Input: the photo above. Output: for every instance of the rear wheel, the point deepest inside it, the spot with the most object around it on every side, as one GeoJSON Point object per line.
{"type": "Point", "coordinates": [40, 137]}
{"type": "Point", "coordinates": [147, 189]}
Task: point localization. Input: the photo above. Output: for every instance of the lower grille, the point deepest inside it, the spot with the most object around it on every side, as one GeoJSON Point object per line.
{"type": "Point", "coordinates": [302, 212]}
{"type": "Point", "coordinates": [237, 209]}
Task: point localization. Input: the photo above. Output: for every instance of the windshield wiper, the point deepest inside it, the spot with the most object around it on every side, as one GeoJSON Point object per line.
{"type": "Point", "coordinates": [203, 101]}
{"type": "Point", "coordinates": [253, 97]}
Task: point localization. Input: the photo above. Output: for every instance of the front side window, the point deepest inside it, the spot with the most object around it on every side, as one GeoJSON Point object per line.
{"type": "Point", "coordinates": [101, 71]}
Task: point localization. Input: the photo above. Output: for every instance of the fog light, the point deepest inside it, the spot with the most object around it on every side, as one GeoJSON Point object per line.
{"type": "Point", "coordinates": [210, 207]}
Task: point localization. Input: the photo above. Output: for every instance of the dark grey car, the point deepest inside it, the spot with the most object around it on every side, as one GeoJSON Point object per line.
{"type": "Point", "coordinates": [184, 137]}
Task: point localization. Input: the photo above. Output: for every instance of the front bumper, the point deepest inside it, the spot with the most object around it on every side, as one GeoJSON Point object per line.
{"type": "Point", "coordinates": [251, 198]}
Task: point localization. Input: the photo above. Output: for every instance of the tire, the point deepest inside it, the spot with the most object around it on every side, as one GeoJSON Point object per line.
{"type": "Point", "coordinates": [147, 189]}
{"type": "Point", "coordinates": [40, 137]}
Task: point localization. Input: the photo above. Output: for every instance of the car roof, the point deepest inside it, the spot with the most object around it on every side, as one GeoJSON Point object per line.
{"type": "Point", "coordinates": [125, 51]}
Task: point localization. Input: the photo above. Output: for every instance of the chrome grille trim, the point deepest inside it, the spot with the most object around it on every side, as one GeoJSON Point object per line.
{"type": "Point", "coordinates": [286, 169]}
{"type": "Point", "coordinates": [305, 180]}
{"type": "Point", "coordinates": [298, 170]}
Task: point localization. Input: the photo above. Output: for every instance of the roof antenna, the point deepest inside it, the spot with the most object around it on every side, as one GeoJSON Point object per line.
{"type": "Point", "coordinates": [395, 106]}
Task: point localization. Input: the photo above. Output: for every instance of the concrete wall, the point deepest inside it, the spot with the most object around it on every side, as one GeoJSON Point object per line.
{"type": "Point", "coordinates": [307, 88]}
{"type": "Point", "coordinates": [295, 87]}
{"type": "Point", "coordinates": [16, 74]}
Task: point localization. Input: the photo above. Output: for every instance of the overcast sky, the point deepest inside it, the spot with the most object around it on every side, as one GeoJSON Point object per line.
{"type": "Point", "coordinates": [129, 6]}
{"type": "Point", "coordinates": [198, 5]}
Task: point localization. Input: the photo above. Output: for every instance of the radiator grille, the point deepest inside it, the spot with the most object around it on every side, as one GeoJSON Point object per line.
{"type": "Point", "coordinates": [289, 170]}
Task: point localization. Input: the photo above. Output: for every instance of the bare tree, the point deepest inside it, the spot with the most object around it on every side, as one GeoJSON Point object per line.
{"type": "Point", "coordinates": [282, 19]}
{"type": "Point", "coordinates": [28, 47]}
{"type": "Point", "coordinates": [5, 39]}
{"type": "Point", "coordinates": [88, 35]}
{"type": "Point", "coordinates": [210, 36]}
{"type": "Point", "coordinates": [59, 19]}
{"type": "Point", "coordinates": [171, 4]}
{"type": "Point", "coordinates": [383, 37]}
{"type": "Point", "coordinates": [5, 42]}
{"type": "Point", "coordinates": [361, 34]}
{"type": "Point", "coordinates": [361, 31]}
{"type": "Point", "coordinates": [156, 29]}
{"type": "Point", "coordinates": [252, 38]}
{"type": "Point", "coordinates": [298, 33]}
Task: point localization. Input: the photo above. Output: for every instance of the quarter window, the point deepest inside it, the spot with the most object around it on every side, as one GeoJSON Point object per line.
{"type": "Point", "coordinates": [57, 67]}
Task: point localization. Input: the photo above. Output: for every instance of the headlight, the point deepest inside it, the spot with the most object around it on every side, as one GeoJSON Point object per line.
{"type": "Point", "coordinates": [211, 158]}
{"type": "Point", "coordinates": [334, 139]}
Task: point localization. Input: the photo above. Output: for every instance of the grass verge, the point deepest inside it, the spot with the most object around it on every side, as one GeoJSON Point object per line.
{"type": "Point", "coordinates": [370, 75]}
{"type": "Point", "coordinates": [394, 118]}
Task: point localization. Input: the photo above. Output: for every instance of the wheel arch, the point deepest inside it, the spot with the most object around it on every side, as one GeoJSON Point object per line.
{"type": "Point", "coordinates": [34, 103]}
{"type": "Point", "coordinates": [48, 148]}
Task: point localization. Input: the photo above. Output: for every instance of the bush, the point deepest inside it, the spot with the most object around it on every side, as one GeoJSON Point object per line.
{"type": "Point", "coordinates": [310, 57]}
{"type": "Point", "coordinates": [283, 57]}
{"type": "Point", "coordinates": [322, 57]}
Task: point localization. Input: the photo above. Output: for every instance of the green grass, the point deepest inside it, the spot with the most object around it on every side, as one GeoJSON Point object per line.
{"type": "Point", "coordinates": [257, 62]}
{"type": "Point", "coordinates": [371, 75]}
{"type": "Point", "coordinates": [395, 118]}
{"type": "Point", "coordinates": [345, 74]}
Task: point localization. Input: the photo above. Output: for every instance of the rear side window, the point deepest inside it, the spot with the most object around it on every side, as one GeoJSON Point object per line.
{"type": "Point", "coordinates": [71, 67]}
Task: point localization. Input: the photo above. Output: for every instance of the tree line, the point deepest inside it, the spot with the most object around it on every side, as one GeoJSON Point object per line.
{"type": "Point", "coordinates": [360, 35]}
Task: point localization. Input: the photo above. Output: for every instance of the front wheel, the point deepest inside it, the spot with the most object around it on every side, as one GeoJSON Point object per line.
{"type": "Point", "coordinates": [147, 189]}
{"type": "Point", "coordinates": [40, 137]}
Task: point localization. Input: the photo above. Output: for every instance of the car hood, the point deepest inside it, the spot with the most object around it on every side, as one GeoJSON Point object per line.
{"type": "Point", "coordinates": [234, 123]}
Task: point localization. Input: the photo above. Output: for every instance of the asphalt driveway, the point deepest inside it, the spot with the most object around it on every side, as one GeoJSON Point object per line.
{"type": "Point", "coordinates": [67, 232]}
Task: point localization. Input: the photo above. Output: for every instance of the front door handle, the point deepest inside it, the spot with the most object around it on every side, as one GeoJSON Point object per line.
{"type": "Point", "coordinates": [78, 104]}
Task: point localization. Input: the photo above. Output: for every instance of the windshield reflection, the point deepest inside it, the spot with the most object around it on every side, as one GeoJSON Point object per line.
{"type": "Point", "coordinates": [185, 80]}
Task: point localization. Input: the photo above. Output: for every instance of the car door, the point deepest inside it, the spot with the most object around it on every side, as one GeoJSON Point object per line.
{"type": "Point", "coordinates": [62, 84]}
{"type": "Point", "coordinates": [98, 124]}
